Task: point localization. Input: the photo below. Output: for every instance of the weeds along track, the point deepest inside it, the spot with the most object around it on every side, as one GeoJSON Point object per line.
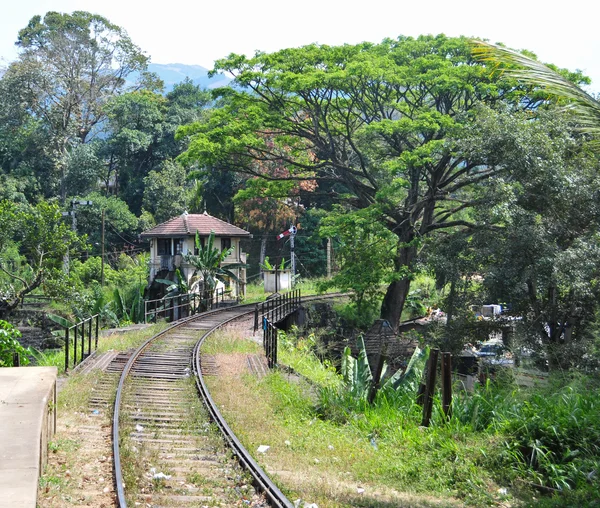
{"type": "Point", "coordinates": [172, 447]}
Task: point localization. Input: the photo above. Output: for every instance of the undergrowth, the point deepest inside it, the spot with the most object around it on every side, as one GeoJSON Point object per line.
{"type": "Point", "coordinates": [537, 445]}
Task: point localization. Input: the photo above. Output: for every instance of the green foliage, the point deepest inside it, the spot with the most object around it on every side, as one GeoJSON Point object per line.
{"type": "Point", "coordinates": [74, 63]}
{"type": "Point", "coordinates": [83, 169]}
{"type": "Point", "coordinates": [208, 265]}
{"type": "Point", "coordinates": [354, 316]}
{"type": "Point", "coordinates": [409, 379]}
{"type": "Point", "coordinates": [9, 345]}
{"type": "Point", "coordinates": [365, 250]}
{"type": "Point", "coordinates": [130, 270]}
{"type": "Point", "coordinates": [266, 265]}
{"type": "Point", "coordinates": [358, 378]}
{"type": "Point", "coordinates": [121, 225]}
{"type": "Point", "coordinates": [128, 303]}
{"type": "Point", "coordinates": [42, 239]}
{"type": "Point", "coordinates": [165, 193]}
{"type": "Point", "coordinates": [356, 372]}
{"type": "Point", "coordinates": [384, 128]}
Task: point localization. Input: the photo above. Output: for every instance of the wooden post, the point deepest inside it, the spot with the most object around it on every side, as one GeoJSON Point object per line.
{"type": "Point", "coordinates": [447, 384]}
{"type": "Point", "coordinates": [430, 386]}
{"type": "Point", "coordinates": [421, 394]}
{"type": "Point", "coordinates": [377, 376]}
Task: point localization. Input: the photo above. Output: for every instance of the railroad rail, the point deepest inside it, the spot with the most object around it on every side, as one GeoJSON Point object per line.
{"type": "Point", "coordinates": [151, 400]}
{"type": "Point", "coordinates": [151, 413]}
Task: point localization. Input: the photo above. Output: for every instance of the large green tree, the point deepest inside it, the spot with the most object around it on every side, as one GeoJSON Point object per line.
{"type": "Point", "coordinates": [381, 125]}
{"type": "Point", "coordinates": [69, 66]}
{"type": "Point", "coordinates": [540, 249]}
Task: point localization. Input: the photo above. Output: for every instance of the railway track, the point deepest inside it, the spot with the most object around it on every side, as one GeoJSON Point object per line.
{"type": "Point", "coordinates": [166, 449]}
{"type": "Point", "coordinates": [172, 448]}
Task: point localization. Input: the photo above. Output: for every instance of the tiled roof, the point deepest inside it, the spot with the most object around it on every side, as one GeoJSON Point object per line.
{"type": "Point", "coordinates": [187, 225]}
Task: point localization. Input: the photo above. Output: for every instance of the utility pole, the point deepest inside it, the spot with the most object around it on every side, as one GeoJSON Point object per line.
{"type": "Point", "coordinates": [292, 234]}
{"type": "Point", "coordinates": [74, 204]}
{"type": "Point", "coordinates": [292, 254]}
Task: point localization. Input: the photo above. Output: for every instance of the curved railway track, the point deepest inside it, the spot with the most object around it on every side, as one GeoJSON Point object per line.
{"type": "Point", "coordinates": [163, 442]}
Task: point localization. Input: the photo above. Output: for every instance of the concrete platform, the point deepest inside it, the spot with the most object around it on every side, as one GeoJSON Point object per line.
{"type": "Point", "coordinates": [27, 421]}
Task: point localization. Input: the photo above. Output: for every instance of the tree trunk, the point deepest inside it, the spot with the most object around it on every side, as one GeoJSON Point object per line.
{"type": "Point", "coordinates": [397, 291]}
{"type": "Point", "coordinates": [263, 253]}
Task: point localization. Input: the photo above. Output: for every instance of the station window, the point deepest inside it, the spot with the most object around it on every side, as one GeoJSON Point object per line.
{"type": "Point", "coordinates": [163, 247]}
{"type": "Point", "coordinates": [178, 246]}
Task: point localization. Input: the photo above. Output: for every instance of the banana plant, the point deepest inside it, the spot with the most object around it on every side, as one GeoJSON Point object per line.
{"type": "Point", "coordinates": [358, 378]}
{"type": "Point", "coordinates": [356, 372]}
{"type": "Point", "coordinates": [208, 265]}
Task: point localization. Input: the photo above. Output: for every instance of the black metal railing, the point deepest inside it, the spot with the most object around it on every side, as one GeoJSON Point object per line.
{"type": "Point", "coordinates": [276, 309]}
{"type": "Point", "coordinates": [273, 311]}
{"type": "Point", "coordinates": [78, 335]}
{"type": "Point", "coordinates": [177, 307]}
{"type": "Point", "coordinates": [270, 342]}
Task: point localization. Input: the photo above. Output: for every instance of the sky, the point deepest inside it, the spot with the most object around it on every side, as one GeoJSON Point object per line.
{"type": "Point", "coordinates": [562, 33]}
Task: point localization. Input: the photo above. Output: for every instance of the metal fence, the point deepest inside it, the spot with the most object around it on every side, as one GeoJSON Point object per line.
{"type": "Point", "coordinates": [272, 311]}
{"type": "Point", "coordinates": [270, 342]}
{"type": "Point", "coordinates": [81, 334]}
{"type": "Point", "coordinates": [275, 309]}
{"type": "Point", "coordinates": [173, 308]}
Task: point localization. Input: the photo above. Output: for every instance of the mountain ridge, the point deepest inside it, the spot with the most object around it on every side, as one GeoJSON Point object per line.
{"type": "Point", "coordinates": [174, 73]}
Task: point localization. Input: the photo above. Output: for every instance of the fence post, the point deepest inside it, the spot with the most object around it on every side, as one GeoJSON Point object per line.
{"type": "Point", "coordinates": [97, 328]}
{"type": "Point", "coordinates": [75, 346]}
{"type": "Point", "coordinates": [447, 384]}
{"type": "Point", "coordinates": [82, 341]}
{"type": "Point", "coordinates": [90, 336]}
{"type": "Point", "coordinates": [66, 350]}
{"type": "Point", "coordinates": [256, 318]}
{"type": "Point", "coordinates": [430, 386]}
{"type": "Point", "coordinates": [274, 349]}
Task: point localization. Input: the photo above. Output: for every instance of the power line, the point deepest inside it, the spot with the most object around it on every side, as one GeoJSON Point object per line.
{"type": "Point", "coordinates": [118, 234]}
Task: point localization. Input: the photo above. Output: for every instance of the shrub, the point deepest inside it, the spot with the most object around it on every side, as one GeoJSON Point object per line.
{"type": "Point", "coordinates": [9, 345]}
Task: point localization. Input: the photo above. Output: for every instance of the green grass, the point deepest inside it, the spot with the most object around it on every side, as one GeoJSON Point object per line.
{"type": "Point", "coordinates": [500, 437]}
{"type": "Point", "coordinates": [227, 341]}
{"type": "Point", "coordinates": [255, 291]}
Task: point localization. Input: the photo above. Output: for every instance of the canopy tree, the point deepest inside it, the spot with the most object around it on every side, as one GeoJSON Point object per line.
{"type": "Point", "coordinates": [381, 125]}
{"type": "Point", "coordinates": [68, 67]}
{"type": "Point", "coordinates": [540, 248]}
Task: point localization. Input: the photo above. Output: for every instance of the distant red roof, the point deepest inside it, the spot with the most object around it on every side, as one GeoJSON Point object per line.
{"type": "Point", "coordinates": [187, 225]}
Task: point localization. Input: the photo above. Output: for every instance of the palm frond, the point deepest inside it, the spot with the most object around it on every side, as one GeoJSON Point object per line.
{"type": "Point", "coordinates": [527, 70]}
